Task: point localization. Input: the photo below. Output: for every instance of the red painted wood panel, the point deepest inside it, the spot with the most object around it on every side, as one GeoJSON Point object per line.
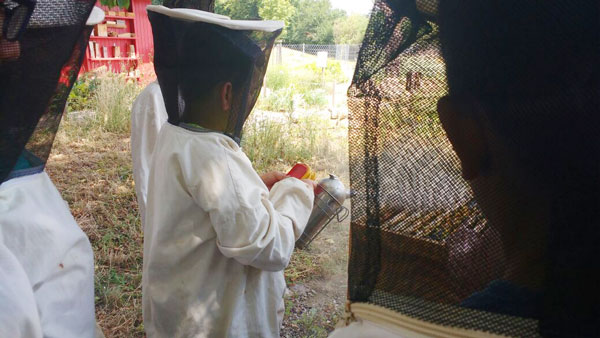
{"type": "Point", "coordinates": [143, 41]}
{"type": "Point", "coordinates": [143, 30]}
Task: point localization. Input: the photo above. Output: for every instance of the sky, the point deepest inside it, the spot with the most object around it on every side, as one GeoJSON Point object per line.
{"type": "Point", "coordinates": [353, 6]}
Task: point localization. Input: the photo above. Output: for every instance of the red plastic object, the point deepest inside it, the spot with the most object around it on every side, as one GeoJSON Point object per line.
{"type": "Point", "coordinates": [298, 171]}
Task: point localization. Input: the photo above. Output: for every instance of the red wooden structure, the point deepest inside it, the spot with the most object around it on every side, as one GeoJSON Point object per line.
{"type": "Point", "coordinates": [123, 41]}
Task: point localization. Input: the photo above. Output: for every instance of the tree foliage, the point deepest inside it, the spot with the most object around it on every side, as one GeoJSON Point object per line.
{"type": "Point", "coordinates": [257, 9]}
{"type": "Point", "coordinates": [238, 9]}
{"type": "Point", "coordinates": [307, 21]}
{"type": "Point", "coordinates": [276, 10]}
{"type": "Point", "coordinates": [123, 4]}
{"type": "Point", "coordinates": [313, 22]}
{"type": "Point", "coordinates": [350, 30]}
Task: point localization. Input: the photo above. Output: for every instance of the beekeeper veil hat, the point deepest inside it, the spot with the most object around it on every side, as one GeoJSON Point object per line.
{"type": "Point", "coordinates": [429, 253]}
{"type": "Point", "coordinates": [197, 50]}
{"type": "Point", "coordinates": [42, 45]}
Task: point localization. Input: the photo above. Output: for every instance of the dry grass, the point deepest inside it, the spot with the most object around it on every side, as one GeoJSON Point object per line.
{"type": "Point", "coordinates": [92, 169]}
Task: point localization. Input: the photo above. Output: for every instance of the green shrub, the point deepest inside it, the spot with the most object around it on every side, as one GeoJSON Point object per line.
{"type": "Point", "coordinates": [281, 100]}
{"type": "Point", "coordinates": [333, 71]}
{"type": "Point", "coordinates": [316, 98]}
{"type": "Point", "coordinates": [269, 143]}
{"type": "Point", "coordinates": [278, 77]}
{"type": "Point", "coordinates": [82, 93]}
{"type": "Point", "coordinates": [112, 101]}
{"type": "Point", "coordinates": [305, 79]}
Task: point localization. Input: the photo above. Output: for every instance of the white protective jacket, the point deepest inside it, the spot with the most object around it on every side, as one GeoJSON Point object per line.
{"type": "Point", "coordinates": [216, 240]}
{"type": "Point", "coordinates": [46, 264]}
{"type": "Point", "coordinates": [148, 114]}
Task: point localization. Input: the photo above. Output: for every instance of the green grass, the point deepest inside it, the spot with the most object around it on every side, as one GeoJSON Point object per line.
{"type": "Point", "coordinates": [298, 82]}
{"type": "Point", "coordinates": [281, 143]}
{"type": "Point", "coordinates": [109, 96]}
{"type": "Point", "coordinates": [312, 323]}
{"type": "Point", "coordinates": [305, 266]}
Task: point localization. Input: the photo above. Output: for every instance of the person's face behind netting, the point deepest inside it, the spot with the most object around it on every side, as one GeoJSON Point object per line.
{"type": "Point", "coordinates": [213, 85]}
{"type": "Point", "coordinates": [521, 115]}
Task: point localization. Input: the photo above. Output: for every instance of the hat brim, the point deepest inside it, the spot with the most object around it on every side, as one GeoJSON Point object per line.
{"type": "Point", "coordinates": [96, 17]}
{"type": "Point", "coordinates": [220, 20]}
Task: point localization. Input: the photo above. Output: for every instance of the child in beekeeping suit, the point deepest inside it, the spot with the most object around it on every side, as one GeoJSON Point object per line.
{"type": "Point", "coordinates": [217, 237]}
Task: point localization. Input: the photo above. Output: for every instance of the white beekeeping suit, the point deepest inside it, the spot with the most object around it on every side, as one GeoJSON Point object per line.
{"type": "Point", "coordinates": [55, 256]}
{"type": "Point", "coordinates": [148, 115]}
{"type": "Point", "coordinates": [18, 306]}
{"type": "Point", "coordinates": [46, 260]}
{"type": "Point", "coordinates": [216, 240]}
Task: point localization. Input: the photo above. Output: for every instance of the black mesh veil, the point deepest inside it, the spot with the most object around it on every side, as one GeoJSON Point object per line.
{"type": "Point", "coordinates": [36, 75]}
{"type": "Point", "coordinates": [192, 57]}
{"type": "Point", "coordinates": [420, 244]}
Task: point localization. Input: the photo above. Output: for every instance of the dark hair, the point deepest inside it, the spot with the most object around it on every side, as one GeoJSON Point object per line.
{"type": "Point", "coordinates": [213, 55]}
{"type": "Point", "coordinates": [533, 68]}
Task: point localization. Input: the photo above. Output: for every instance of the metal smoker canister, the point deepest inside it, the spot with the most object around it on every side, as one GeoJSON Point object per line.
{"type": "Point", "coordinates": [329, 200]}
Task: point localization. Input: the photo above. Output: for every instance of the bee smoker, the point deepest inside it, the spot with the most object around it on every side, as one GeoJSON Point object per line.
{"type": "Point", "coordinates": [329, 199]}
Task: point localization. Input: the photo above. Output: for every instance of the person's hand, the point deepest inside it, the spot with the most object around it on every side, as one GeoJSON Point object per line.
{"type": "Point", "coordinates": [272, 177]}
{"type": "Point", "coordinates": [311, 184]}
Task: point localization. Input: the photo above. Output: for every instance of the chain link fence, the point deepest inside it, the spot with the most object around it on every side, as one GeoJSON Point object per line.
{"type": "Point", "coordinates": [309, 79]}
{"type": "Point", "coordinates": [336, 52]}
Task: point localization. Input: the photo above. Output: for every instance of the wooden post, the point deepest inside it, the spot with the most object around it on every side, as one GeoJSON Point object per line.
{"type": "Point", "coordinates": [279, 53]}
{"type": "Point", "coordinates": [413, 82]}
{"type": "Point", "coordinates": [334, 114]}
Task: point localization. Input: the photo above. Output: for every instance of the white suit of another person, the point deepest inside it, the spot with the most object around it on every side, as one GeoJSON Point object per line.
{"type": "Point", "coordinates": [148, 115]}
{"type": "Point", "coordinates": [216, 239]}
{"type": "Point", "coordinates": [46, 260]}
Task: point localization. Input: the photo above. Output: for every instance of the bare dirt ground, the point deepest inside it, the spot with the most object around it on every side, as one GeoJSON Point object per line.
{"type": "Point", "coordinates": [315, 304]}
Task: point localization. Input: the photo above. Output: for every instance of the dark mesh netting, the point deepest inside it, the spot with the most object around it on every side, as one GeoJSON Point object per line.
{"type": "Point", "coordinates": [37, 72]}
{"type": "Point", "coordinates": [191, 58]}
{"type": "Point", "coordinates": [420, 245]}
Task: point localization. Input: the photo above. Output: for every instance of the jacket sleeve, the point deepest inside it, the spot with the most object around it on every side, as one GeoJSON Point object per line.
{"type": "Point", "coordinates": [253, 226]}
